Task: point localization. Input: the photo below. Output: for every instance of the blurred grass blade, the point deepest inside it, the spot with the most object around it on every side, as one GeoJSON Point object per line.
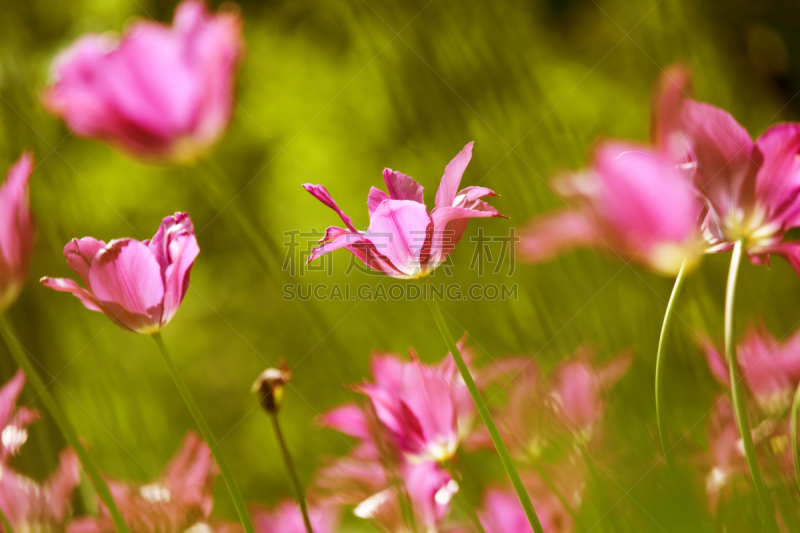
{"type": "Point", "coordinates": [205, 430]}
{"type": "Point", "coordinates": [61, 420]}
{"type": "Point", "coordinates": [794, 428]}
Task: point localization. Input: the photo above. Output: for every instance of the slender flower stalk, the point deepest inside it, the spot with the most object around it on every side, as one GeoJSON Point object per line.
{"type": "Point", "coordinates": [795, 445]}
{"type": "Point", "coordinates": [290, 469]}
{"type": "Point", "coordinates": [483, 410]}
{"type": "Point", "coordinates": [662, 430]}
{"type": "Point", "coordinates": [70, 435]}
{"type": "Point", "coordinates": [737, 391]}
{"type": "Point", "coordinates": [205, 430]}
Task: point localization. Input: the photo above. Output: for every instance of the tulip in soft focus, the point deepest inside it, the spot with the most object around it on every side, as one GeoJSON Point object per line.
{"type": "Point", "coordinates": [632, 201]}
{"type": "Point", "coordinates": [32, 507]}
{"type": "Point", "coordinates": [138, 285]}
{"type": "Point", "coordinates": [13, 420]}
{"type": "Point", "coordinates": [181, 499]}
{"type": "Point", "coordinates": [17, 230]}
{"type": "Point", "coordinates": [404, 239]}
{"type": "Point", "coordinates": [160, 93]}
{"type": "Point", "coordinates": [578, 389]}
{"type": "Point", "coordinates": [287, 518]}
{"type": "Point", "coordinates": [403, 395]}
{"type": "Point", "coordinates": [770, 368]}
{"type": "Point", "coordinates": [502, 512]}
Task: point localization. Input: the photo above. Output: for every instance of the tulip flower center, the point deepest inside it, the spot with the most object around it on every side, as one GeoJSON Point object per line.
{"type": "Point", "coordinates": [753, 226]}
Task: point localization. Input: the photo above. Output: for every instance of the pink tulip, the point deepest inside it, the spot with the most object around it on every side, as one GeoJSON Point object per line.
{"type": "Point", "coordinates": [750, 189]}
{"type": "Point", "coordinates": [502, 512]}
{"type": "Point", "coordinates": [32, 506]}
{"type": "Point", "coordinates": [404, 240]}
{"type": "Point", "coordinates": [578, 389]}
{"type": "Point", "coordinates": [633, 201]}
{"type": "Point", "coordinates": [770, 368]}
{"type": "Point", "coordinates": [17, 230]}
{"type": "Point", "coordinates": [138, 285]}
{"type": "Point", "coordinates": [159, 93]}
{"type": "Point", "coordinates": [13, 420]}
{"type": "Point", "coordinates": [402, 396]}
{"type": "Point", "coordinates": [286, 518]}
{"type": "Point", "coordinates": [180, 499]}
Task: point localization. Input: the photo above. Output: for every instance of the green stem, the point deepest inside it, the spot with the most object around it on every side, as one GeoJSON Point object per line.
{"type": "Point", "coordinates": [737, 391]}
{"type": "Point", "coordinates": [795, 446]}
{"type": "Point", "coordinates": [62, 422]}
{"type": "Point", "coordinates": [662, 430]}
{"type": "Point", "coordinates": [205, 430]}
{"type": "Point", "coordinates": [555, 490]}
{"type": "Point", "coordinates": [494, 433]}
{"type": "Point", "coordinates": [287, 461]}
{"type": "Point", "coordinates": [6, 524]}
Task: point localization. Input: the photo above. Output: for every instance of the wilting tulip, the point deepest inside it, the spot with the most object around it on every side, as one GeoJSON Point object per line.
{"type": "Point", "coordinates": [181, 499]}
{"type": "Point", "coordinates": [17, 230]}
{"type": "Point", "coordinates": [32, 506]}
{"type": "Point", "coordinates": [287, 518]}
{"type": "Point", "coordinates": [14, 421]}
{"type": "Point", "coordinates": [138, 285]}
{"type": "Point", "coordinates": [404, 240]}
{"type": "Point", "coordinates": [770, 368]}
{"type": "Point", "coordinates": [751, 190]}
{"type": "Point", "coordinates": [159, 93]}
{"type": "Point", "coordinates": [632, 201]}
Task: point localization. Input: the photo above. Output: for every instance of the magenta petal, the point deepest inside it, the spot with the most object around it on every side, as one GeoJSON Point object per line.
{"type": "Point", "coordinates": [17, 229]}
{"type": "Point", "coordinates": [128, 280]}
{"type": "Point", "coordinates": [348, 419]}
{"type": "Point", "coordinates": [399, 230]}
{"type": "Point", "coordinates": [67, 285]}
{"type": "Point", "coordinates": [8, 397]}
{"type": "Point", "coordinates": [321, 193]}
{"type": "Point", "coordinates": [727, 158]}
{"type": "Point", "coordinates": [431, 490]}
{"type": "Point", "coordinates": [451, 180]}
{"type": "Point", "coordinates": [80, 253]}
{"type": "Point", "coordinates": [672, 90]}
{"type": "Point", "coordinates": [376, 197]}
{"type": "Point", "coordinates": [547, 237]}
{"type": "Point", "coordinates": [429, 411]}
{"type": "Point", "coordinates": [778, 182]}
{"type": "Point", "coordinates": [402, 187]}
{"type": "Point", "coordinates": [175, 247]}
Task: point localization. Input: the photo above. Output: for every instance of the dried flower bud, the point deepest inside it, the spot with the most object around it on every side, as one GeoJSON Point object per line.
{"type": "Point", "coordinates": [269, 387]}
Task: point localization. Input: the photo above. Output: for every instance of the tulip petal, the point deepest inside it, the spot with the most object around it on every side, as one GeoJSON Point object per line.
{"type": "Point", "coordinates": [126, 277]}
{"type": "Point", "coordinates": [375, 198]}
{"type": "Point", "coordinates": [16, 223]}
{"type": "Point", "coordinates": [399, 230]}
{"type": "Point", "coordinates": [778, 185]}
{"type": "Point", "coordinates": [673, 88]}
{"type": "Point", "coordinates": [321, 193]}
{"type": "Point", "coordinates": [446, 194]}
{"type": "Point", "coordinates": [429, 409]}
{"type": "Point", "coordinates": [727, 158]}
{"type": "Point", "coordinates": [402, 187]}
{"type": "Point", "coordinates": [348, 419]}
{"type": "Point", "coordinates": [549, 236]}
{"type": "Point", "coordinates": [71, 286]}
{"type": "Point", "coordinates": [80, 253]}
{"type": "Point", "coordinates": [175, 247]}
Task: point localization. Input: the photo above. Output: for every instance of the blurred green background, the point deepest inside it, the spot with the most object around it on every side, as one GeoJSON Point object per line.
{"type": "Point", "coordinates": [332, 92]}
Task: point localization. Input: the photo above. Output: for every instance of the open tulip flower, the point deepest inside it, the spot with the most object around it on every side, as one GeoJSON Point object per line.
{"type": "Point", "coordinates": [138, 285]}
{"type": "Point", "coordinates": [402, 396]}
{"type": "Point", "coordinates": [751, 190]}
{"type": "Point", "coordinates": [32, 506]}
{"type": "Point", "coordinates": [770, 368]}
{"type": "Point", "coordinates": [159, 93]}
{"type": "Point", "coordinates": [180, 499]}
{"type": "Point", "coordinates": [404, 239]}
{"type": "Point", "coordinates": [17, 230]}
